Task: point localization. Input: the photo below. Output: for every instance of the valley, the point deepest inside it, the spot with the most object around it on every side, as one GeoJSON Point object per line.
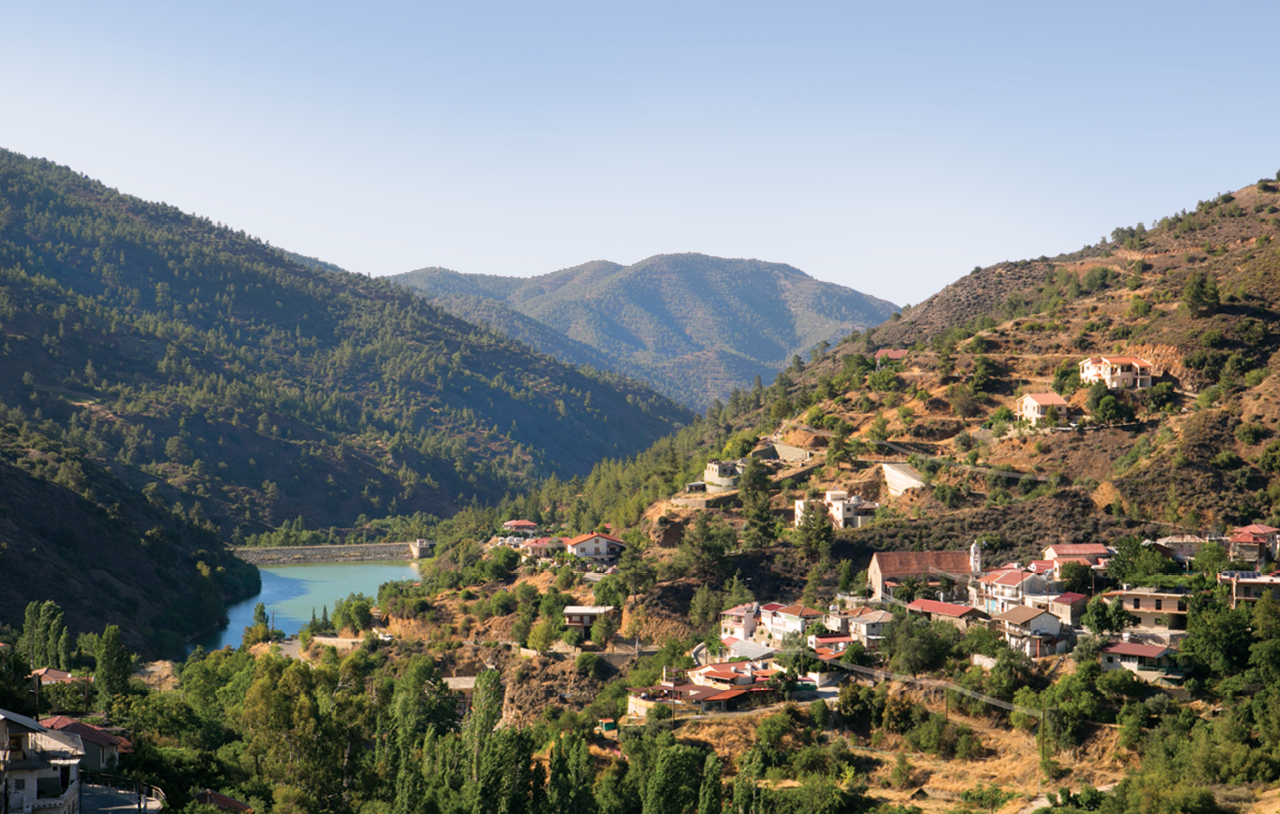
{"type": "Point", "coordinates": [1011, 549]}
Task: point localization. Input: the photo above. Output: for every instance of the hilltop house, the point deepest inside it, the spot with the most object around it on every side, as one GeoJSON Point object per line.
{"type": "Point", "coordinates": [41, 766]}
{"type": "Point", "coordinates": [889, 568]}
{"type": "Point", "coordinates": [722, 476]}
{"type": "Point", "coordinates": [598, 548]}
{"type": "Point", "coordinates": [844, 511]}
{"type": "Point", "coordinates": [889, 355]}
{"type": "Point", "coordinates": [1034, 407]}
{"type": "Point", "coordinates": [1117, 372]}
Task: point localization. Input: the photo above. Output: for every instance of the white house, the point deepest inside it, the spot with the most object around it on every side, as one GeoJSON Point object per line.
{"type": "Point", "coordinates": [1034, 407]}
{"type": "Point", "coordinates": [844, 511]}
{"type": "Point", "coordinates": [739, 622]}
{"type": "Point", "coordinates": [1117, 372]}
{"type": "Point", "coordinates": [582, 617]}
{"type": "Point", "coordinates": [1137, 658]}
{"type": "Point", "coordinates": [721, 476]}
{"type": "Point", "coordinates": [41, 766]}
{"type": "Point", "coordinates": [599, 548]}
{"type": "Point", "coordinates": [777, 621]}
{"type": "Point", "coordinates": [1034, 631]}
{"type": "Point", "coordinates": [998, 591]}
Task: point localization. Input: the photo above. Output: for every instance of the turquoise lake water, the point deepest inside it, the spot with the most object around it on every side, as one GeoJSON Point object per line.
{"type": "Point", "coordinates": [292, 591]}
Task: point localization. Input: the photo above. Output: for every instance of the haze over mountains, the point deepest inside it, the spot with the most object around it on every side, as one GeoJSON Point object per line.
{"type": "Point", "coordinates": [695, 326]}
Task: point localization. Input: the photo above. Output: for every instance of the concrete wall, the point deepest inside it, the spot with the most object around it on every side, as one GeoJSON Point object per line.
{"type": "Point", "coordinates": [901, 477]}
{"type": "Point", "coordinates": [285, 555]}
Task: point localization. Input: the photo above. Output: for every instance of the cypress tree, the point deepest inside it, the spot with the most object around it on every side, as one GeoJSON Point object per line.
{"type": "Point", "coordinates": [711, 796]}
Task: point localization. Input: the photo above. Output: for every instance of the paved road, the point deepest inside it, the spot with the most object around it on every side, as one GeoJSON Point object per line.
{"type": "Point", "coordinates": [103, 799]}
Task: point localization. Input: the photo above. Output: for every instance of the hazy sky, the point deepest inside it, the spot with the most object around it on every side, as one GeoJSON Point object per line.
{"type": "Point", "coordinates": [890, 147]}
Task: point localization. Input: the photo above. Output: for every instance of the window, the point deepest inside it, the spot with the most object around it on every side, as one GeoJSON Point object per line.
{"type": "Point", "coordinates": [1137, 603]}
{"type": "Point", "coordinates": [19, 784]}
{"type": "Point", "coordinates": [1159, 604]}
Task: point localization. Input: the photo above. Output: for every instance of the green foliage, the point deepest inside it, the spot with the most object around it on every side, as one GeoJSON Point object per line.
{"type": "Point", "coordinates": [1200, 294]}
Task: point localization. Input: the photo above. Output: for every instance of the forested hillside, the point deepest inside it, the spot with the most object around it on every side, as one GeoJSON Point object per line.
{"type": "Point", "coordinates": [696, 326]}
{"type": "Point", "coordinates": [259, 386]}
{"type": "Point", "coordinates": [1195, 293]}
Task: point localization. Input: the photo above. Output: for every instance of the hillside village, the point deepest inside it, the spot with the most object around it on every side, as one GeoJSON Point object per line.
{"type": "Point", "coordinates": [920, 572]}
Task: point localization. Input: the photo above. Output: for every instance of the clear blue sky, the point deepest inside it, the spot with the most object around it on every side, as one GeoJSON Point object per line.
{"type": "Point", "coordinates": [890, 147]}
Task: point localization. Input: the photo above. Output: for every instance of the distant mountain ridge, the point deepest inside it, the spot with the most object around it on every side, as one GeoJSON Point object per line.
{"type": "Point", "coordinates": [695, 326]}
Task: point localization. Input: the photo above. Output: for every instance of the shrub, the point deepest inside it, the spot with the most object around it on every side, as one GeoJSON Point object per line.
{"type": "Point", "coordinates": [1251, 434]}
{"type": "Point", "coordinates": [588, 664]}
{"type": "Point", "coordinates": [819, 713]}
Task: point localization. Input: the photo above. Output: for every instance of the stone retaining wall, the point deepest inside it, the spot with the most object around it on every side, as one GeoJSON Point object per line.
{"type": "Point", "coordinates": [288, 555]}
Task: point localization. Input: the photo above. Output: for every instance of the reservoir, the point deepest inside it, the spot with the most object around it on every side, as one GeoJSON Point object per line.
{"type": "Point", "coordinates": [292, 591]}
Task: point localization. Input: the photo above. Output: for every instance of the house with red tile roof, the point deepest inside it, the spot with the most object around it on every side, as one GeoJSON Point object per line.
{"type": "Point", "coordinates": [595, 547]}
{"type": "Point", "coordinates": [1117, 372]}
{"type": "Point", "coordinates": [997, 591]}
{"type": "Point", "coordinates": [959, 615]}
{"type": "Point", "coordinates": [1155, 660]}
{"type": "Point", "coordinates": [543, 548]}
{"type": "Point", "coordinates": [1034, 407]}
{"type": "Point", "coordinates": [102, 750]}
{"type": "Point", "coordinates": [1069, 607]}
{"type": "Point", "coordinates": [783, 620]}
{"type": "Point", "coordinates": [525, 527]}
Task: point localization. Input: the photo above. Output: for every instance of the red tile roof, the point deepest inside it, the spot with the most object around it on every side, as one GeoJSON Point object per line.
{"type": "Point", "coordinates": [582, 538]}
{"type": "Point", "coordinates": [1151, 651]}
{"type": "Point", "coordinates": [1046, 399]}
{"type": "Point", "coordinates": [887, 353]}
{"type": "Point", "coordinates": [1079, 549]}
{"type": "Point", "coordinates": [799, 610]}
{"type": "Point", "coordinates": [87, 732]}
{"type": "Point", "coordinates": [726, 695]}
{"type": "Point", "coordinates": [210, 797]}
{"type": "Point", "coordinates": [915, 563]}
{"type": "Point", "coordinates": [1257, 528]}
{"type": "Point", "coordinates": [1069, 598]}
{"type": "Point", "coordinates": [941, 608]}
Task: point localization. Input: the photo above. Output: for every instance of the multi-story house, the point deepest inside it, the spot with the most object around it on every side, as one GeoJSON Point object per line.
{"type": "Point", "coordinates": [41, 767]}
{"type": "Point", "coordinates": [1161, 613]}
{"type": "Point", "coordinates": [1250, 586]}
{"type": "Point", "coordinates": [998, 591]}
{"type": "Point", "coordinates": [871, 628]}
{"type": "Point", "coordinates": [740, 622]}
{"type": "Point", "coordinates": [844, 511]}
{"type": "Point", "coordinates": [1034, 631]}
{"type": "Point", "coordinates": [1117, 372]}
{"type": "Point", "coordinates": [779, 621]}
